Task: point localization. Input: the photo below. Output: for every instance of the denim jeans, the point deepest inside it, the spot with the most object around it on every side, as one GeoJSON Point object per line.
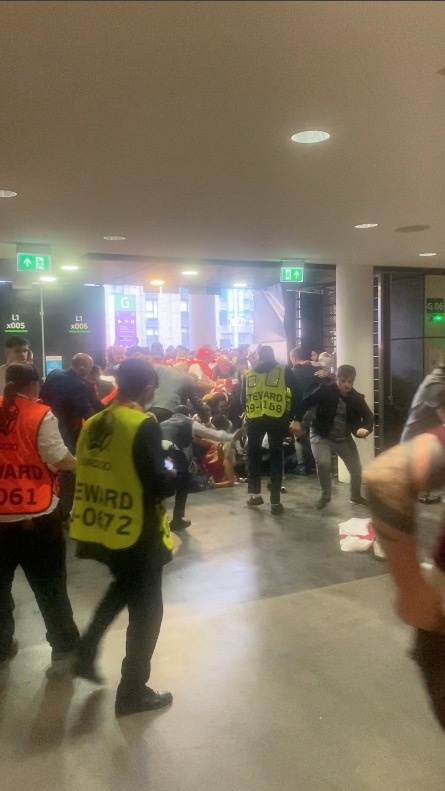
{"type": "Point", "coordinates": [347, 452]}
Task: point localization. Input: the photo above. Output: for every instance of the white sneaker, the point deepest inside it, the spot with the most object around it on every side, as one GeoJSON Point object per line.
{"type": "Point", "coordinates": [379, 552]}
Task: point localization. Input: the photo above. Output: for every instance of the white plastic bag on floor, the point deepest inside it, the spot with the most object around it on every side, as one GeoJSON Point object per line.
{"type": "Point", "coordinates": [356, 535]}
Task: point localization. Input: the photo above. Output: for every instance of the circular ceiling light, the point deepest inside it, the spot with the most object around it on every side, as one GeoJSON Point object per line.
{"type": "Point", "coordinates": [426, 255]}
{"type": "Point", "coordinates": [367, 225]}
{"type": "Point", "coordinates": [190, 273]}
{"type": "Point", "coordinates": [7, 194]}
{"type": "Point", "coordinates": [157, 282]}
{"type": "Point", "coordinates": [47, 279]}
{"type": "Point", "coordinates": [115, 238]}
{"type": "Point", "coordinates": [240, 285]}
{"type": "Point", "coordinates": [69, 267]}
{"type": "Point", "coordinates": [311, 136]}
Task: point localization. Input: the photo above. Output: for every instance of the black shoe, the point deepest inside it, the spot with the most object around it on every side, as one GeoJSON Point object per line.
{"type": "Point", "coordinates": [360, 501]}
{"type": "Point", "coordinates": [11, 652]}
{"type": "Point", "coordinates": [301, 470]}
{"type": "Point", "coordinates": [276, 508]}
{"type": "Point", "coordinates": [254, 500]}
{"type": "Point", "coordinates": [86, 668]}
{"type": "Point", "coordinates": [179, 524]}
{"type": "Point", "coordinates": [322, 503]}
{"type": "Point", "coordinates": [147, 700]}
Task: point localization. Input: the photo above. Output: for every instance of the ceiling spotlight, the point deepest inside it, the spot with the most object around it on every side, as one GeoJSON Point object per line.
{"type": "Point", "coordinates": [115, 238]}
{"type": "Point", "coordinates": [367, 225]}
{"type": "Point", "coordinates": [240, 285]}
{"type": "Point", "coordinates": [7, 194]}
{"type": "Point", "coordinates": [426, 255]}
{"type": "Point", "coordinates": [47, 279]}
{"type": "Point", "coordinates": [69, 267]}
{"type": "Point", "coordinates": [311, 136]}
{"type": "Point", "coordinates": [157, 282]}
{"type": "Point", "coordinates": [190, 272]}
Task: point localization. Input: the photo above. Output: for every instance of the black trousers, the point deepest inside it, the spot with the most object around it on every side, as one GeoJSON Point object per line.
{"type": "Point", "coordinates": [182, 484]}
{"type": "Point", "coordinates": [38, 546]}
{"type": "Point", "coordinates": [276, 429]}
{"type": "Point", "coordinates": [138, 587]}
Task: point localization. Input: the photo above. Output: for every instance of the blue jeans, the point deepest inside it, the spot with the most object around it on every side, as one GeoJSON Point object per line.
{"type": "Point", "coordinates": [347, 451]}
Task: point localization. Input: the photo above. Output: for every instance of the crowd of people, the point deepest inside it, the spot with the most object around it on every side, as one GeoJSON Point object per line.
{"type": "Point", "coordinates": [99, 447]}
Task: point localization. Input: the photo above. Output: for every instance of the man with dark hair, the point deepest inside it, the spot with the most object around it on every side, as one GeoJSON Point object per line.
{"type": "Point", "coordinates": [307, 378]}
{"type": "Point", "coordinates": [118, 518]}
{"type": "Point", "coordinates": [16, 351]}
{"type": "Point", "coordinates": [340, 411]}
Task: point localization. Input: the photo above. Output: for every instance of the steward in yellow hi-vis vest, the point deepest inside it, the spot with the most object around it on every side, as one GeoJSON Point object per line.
{"type": "Point", "coordinates": [118, 517]}
{"type": "Point", "coordinates": [266, 393]}
{"type": "Point", "coordinates": [270, 398]}
{"type": "Point", "coordinates": [108, 501]}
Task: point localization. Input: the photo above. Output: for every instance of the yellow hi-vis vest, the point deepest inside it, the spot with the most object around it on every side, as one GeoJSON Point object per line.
{"type": "Point", "coordinates": [108, 504]}
{"type": "Point", "coordinates": [266, 393]}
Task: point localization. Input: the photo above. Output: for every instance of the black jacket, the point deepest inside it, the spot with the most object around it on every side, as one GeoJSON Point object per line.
{"type": "Point", "coordinates": [306, 380]}
{"type": "Point", "coordinates": [72, 400]}
{"type": "Point", "coordinates": [325, 399]}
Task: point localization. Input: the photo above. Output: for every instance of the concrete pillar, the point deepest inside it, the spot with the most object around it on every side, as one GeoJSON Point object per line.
{"type": "Point", "coordinates": [355, 341]}
{"type": "Point", "coordinates": [202, 320]}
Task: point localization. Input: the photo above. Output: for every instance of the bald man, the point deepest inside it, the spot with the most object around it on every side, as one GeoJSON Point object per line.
{"type": "Point", "coordinates": [71, 397]}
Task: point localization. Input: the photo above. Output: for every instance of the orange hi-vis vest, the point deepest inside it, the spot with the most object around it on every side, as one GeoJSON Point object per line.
{"type": "Point", "coordinates": [26, 482]}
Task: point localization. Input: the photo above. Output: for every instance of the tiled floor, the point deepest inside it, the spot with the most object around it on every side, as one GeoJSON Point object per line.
{"type": "Point", "coordinates": [288, 669]}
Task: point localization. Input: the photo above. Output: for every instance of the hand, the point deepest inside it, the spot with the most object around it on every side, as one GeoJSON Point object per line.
{"type": "Point", "coordinates": [423, 608]}
{"type": "Point", "coordinates": [322, 373]}
{"type": "Point", "coordinates": [297, 429]}
{"type": "Point", "coordinates": [362, 433]}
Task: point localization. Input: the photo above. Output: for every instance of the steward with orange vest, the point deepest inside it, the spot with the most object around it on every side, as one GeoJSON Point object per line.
{"type": "Point", "coordinates": [31, 536]}
{"type": "Point", "coordinates": [118, 517]}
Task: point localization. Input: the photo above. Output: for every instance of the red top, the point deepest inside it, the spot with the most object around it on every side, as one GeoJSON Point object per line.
{"type": "Point", "coordinates": [439, 555]}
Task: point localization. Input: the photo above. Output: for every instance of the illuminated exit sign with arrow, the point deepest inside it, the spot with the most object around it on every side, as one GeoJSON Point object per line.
{"type": "Point", "coordinates": [33, 262]}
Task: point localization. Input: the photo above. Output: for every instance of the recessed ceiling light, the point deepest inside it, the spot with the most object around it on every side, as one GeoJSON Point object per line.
{"type": "Point", "coordinates": [115, 238]}
{"type": "Point", "coordinates": [190, 272]}
{"type": "Point", "coordinates": [69, 267]}
{"type": "Point", "coordinates": [157, 282]}
{"type": "Point", "coordinates": [7, 194]}
{"type": "Point", "coordinates": [367, 225]}
{"type": "Point", "coordinates": [47, 279]}
{"type": "Point", "coordinates": [240, 285]}
{"type": "Point", "coordinates": [311, 136]}
{"type": "Point", "coordinates": [413, 228]}
{"type": "Point", "coordinates": [426, 255]}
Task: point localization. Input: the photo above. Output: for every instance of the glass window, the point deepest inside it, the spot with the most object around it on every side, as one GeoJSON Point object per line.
{"type": "Point", "coordinates": [151, 308]}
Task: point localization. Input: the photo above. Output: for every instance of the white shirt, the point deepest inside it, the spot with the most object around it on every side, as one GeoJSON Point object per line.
{"type": "Point", "coordinates": [52, 450]}
{"type": "Point", "coordinates": [196, 370]}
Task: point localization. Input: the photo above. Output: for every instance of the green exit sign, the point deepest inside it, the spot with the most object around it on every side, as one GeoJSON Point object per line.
{"type": "Point", "coordinates": [33, 262]}
{"type": "Point", "coordinates": [292, 274]}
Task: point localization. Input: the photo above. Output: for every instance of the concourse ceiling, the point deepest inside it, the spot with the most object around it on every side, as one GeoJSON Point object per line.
{"type": "Point", "coordinates": [170, 123]}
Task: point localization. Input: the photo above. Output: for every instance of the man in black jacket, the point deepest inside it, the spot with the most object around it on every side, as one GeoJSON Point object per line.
{"type": "Point", "coordinates": [340, 412]}
{"type": "Point", "coordinates": [307, 377]}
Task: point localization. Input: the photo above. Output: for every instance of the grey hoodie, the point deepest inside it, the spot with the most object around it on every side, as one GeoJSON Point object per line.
{"type": "Point", "coordinates": [423, 411]}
